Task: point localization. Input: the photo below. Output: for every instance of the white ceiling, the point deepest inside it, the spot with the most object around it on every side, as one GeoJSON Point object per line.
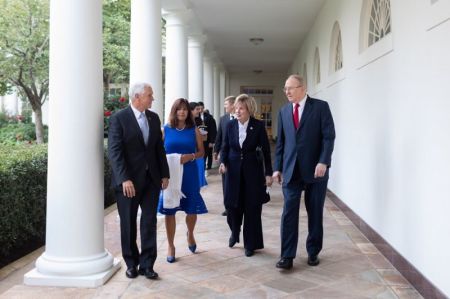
{"type": "Point", "coordinates": [229, 24]}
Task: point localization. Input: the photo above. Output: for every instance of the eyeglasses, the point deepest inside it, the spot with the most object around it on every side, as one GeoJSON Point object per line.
{"type": "Point", "coordinates": [285, 89]}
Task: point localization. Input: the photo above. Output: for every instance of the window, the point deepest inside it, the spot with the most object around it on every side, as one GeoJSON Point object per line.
{"type": "Point", "coordinates": [380, 21]}
{"type": "Point", "coordinates": [317, 67]}
{"type": "Point", "coordinates": [336, 55]}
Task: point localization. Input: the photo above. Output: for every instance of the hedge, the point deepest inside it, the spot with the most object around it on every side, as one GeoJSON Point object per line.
{"type": "Point", "coordinates": [23, 185]}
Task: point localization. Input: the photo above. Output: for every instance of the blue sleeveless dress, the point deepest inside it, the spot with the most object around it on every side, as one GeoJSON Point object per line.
{"type": "Point", "coordinates": [184, 142]}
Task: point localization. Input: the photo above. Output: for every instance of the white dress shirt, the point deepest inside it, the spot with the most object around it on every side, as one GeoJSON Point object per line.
{"type": "Point", "coordinates": [242, 131]}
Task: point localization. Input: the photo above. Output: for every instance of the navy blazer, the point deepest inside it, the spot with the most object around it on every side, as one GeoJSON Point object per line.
{"type": "Point", "coordinates": [244, 162]}
{"type": "Point", "coordinates": [224, 120]}
{"type": "Point", "coordinates": [311, 143]}
{"type": "Point", "coordinates": [130, 158]}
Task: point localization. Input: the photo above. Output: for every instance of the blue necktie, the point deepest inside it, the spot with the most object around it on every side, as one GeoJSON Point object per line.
{"type": "Point", "coordinates": [143, 124]}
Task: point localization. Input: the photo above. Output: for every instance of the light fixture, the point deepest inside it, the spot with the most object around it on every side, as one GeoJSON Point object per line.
{"type": "Point", "coordinates": [256, 40]}
{"type": "Point", "coordinates": [257, 71]}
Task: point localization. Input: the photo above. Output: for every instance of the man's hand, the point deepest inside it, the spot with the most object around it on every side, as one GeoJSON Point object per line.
{"type": "Point", "coordinates": [222, 168]}
{"type": "Point", "coordinates": [211, 145]}
{"type": "Point", "coordinates": [128, 189]}
{"type": "Point", "coordinates": [216, 156]}
{"type": "Point", "coordinates": [320, 170]}
{"type": "Point", "coordinates": [278, 177]}
{"type": "Point", "coordinates": [164, 183]}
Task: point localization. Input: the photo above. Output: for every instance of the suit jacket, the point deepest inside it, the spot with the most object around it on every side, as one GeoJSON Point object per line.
{"type": "Point", "coordinates": [210, 123]}
{"type": "Point", "coordinates": [244, 162]}
{"type": "Point", "coordinates": [312, 143]}
{"type": "Point", "coordinates": [130, 158]}
{"type": "Point", "coordinates": [223, 122]}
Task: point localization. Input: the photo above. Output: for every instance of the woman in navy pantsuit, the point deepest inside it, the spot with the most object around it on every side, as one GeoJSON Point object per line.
{"type": "Point", "coordinates": [247, 176]}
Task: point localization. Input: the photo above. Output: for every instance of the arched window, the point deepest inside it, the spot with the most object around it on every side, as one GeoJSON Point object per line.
{"type": "Point", "coordinates": [317, 67]}
{"type": "Point", "coordinates": [375, 22]}
{"type": "Point", "coordinates": [305, 74]}
{"type": "Point", "coordinates": [380, 20]}
{"type": "Point", "coordinates": [336, 55]}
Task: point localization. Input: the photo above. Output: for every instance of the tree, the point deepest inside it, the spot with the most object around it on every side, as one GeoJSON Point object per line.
{"type": "Point", "coordinates": [24, 52]}
{"type": "Point", "coordinates": [116, 42]}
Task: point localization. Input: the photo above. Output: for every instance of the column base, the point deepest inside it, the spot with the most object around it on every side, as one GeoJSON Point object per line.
{"type": "Point", "coordinates": [35, 278]}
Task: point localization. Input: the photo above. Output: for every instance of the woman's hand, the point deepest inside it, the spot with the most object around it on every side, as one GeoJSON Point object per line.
{"type": "Point", "coordinates": [269, 181]}
{"type": "Point", "coordinates": [186, 158]}
{"type": "Point", "coordinates": [222, 168]}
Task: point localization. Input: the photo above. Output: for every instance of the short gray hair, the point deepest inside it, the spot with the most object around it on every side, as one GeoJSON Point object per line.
{"type": "Point", "coordinates": [137, 89]}
{"type": "Point", "coordinates": [299, 78]}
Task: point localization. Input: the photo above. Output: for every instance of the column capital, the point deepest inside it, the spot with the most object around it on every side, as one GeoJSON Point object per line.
{"type": "Point", "coordinates": [177, 17]}
{"type": "Point", "coordinates": [196, 40]}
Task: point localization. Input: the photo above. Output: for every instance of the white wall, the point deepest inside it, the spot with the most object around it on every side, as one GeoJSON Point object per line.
{"type": "Point", "coordinates": [391, 160]}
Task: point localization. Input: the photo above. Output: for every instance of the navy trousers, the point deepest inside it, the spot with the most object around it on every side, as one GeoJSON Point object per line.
{"type": "Point", "coordinates": [314, 202]}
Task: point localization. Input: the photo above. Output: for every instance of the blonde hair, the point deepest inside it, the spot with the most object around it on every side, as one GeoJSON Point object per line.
{"type": "Point", "coordinates": [248, 101]}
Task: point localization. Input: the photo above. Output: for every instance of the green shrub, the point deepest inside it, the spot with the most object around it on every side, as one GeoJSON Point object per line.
{"type": "Point", "coordinates": [23, 185]}
{"type": "Point", "coordinates": [12, 133]}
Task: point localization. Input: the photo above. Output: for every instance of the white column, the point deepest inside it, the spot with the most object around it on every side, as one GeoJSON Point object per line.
{"type": "Point", "coordinates": [215, 110]}
{"type": "Point", "coordinates": [145, 48]}
{"type": "Point", "coordinates": [74, 251]}
{"type": "Point", "coordinates": [176, 59]}
{"type": "Point", "coordinates": [223, 94]}
{"type": "Point", "coordinates": [195, 67]}
{"type": "Point", "coordinates": [208, 82]}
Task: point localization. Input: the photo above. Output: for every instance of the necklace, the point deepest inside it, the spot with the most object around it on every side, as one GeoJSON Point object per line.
{"type": "Point", "coordinates": [181, 128]}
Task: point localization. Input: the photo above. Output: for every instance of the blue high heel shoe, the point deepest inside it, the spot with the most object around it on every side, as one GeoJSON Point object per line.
{"type": "Point", "coordinates": [192, 248]}
{"type": "Point", "coordinates": [171, 259]}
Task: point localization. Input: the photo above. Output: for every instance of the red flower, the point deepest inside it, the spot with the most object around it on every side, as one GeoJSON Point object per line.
{"type": "Point", "coordinates": [107, 113]}
{"type": "Point", "coordinates": [122, 99]}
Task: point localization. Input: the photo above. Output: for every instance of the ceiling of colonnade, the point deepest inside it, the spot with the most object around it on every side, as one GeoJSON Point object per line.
{"type": "Point", "coordinates": [229, 24]}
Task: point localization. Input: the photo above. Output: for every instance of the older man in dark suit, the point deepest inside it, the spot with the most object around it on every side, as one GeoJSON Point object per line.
{"type": "Point", "coordinates": [303, 151]}
{"type": "Point", "coordinates": [139, 171]}
{"type": "Point", "coordinates": [223, 122]}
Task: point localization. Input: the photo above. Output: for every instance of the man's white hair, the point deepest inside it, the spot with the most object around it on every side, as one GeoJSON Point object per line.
{"type": "Point", "coordinates": [137, 89]}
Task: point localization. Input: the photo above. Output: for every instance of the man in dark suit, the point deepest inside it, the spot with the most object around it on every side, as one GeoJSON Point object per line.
{"type": "Point", "coordinates": [303, 151]}
{"type": "Point", "coordinates": [139, 171]}
{"type": "Point", "coordinates": [224, 120]}
{"type": "Point", "coordinates": [210, 123]}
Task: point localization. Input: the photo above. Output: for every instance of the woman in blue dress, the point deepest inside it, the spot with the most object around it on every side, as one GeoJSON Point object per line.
{"type": "Point", "coordinates": [181, 136]}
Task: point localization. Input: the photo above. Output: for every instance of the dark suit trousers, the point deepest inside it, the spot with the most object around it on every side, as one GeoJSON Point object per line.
{"type": "Point", "coordinates": [147, 199]}
{"type": "Point", "coordinates": [314, 202]}
{"type": "Point", "coordinates": [208, 155]}
{"type": "Point", "coordinates": [250, 213]}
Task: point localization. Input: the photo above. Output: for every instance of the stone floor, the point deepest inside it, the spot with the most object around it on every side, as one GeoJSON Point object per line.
{"type": "Point", "coordinates": [351, 267]}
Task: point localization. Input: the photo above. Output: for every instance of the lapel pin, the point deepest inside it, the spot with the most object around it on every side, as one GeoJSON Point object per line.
{"type": "Point", "coordinates": [251, 128]}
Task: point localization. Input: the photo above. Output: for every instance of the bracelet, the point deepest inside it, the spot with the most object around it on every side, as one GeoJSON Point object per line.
{"type": "Point", "coordinates": [193, 157]}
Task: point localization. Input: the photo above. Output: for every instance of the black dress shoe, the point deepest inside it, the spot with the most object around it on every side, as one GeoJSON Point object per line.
{"type": "Point", "coordinates": [232, 241]}
{"type": "Point", "coordinates": [149, 273]}
{"type": "Point", "coordinates": [224, 213]}
{"type": "Point", "coordinates": [285, 263]}
{"type": "Point", "coordinates": [131, 272]}
{"type": "Point", "coordinates": [249, 252]}
{"type": "Point", "coordinates": [313, 260]}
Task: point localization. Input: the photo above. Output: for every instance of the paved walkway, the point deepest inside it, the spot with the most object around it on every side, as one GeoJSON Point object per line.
{"type": "Point", "coordinates": [351, 267]}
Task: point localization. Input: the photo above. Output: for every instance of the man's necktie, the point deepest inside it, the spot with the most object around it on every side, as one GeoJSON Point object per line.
{"type": "Point", "coordinates": [143, 124]}
{"type": "Point", "coordinates": [296, 118]}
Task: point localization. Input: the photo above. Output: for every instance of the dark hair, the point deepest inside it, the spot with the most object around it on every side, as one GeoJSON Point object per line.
{"type": "Point", "coordinates": [193, 105]}
{"type": "Point", "coordinates": [177, 105]}
{"type": "Point", "coordinates": [201, 104]}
